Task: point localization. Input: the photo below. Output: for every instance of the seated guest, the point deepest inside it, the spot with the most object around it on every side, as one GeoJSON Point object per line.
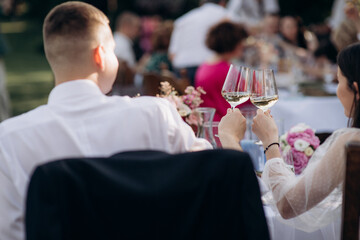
{"type": "Point", "coordinates": [270, 27]}
{"type": "Point", "coordinates": [251, 13]}
{"type": "Point", "coordinates": [225, 39]}
{"type": "Point", "coordinates": [159, 60]}
{"type": "Point", "coordinates": [313, 198]}
{"type": "Point", "coordinates": [127, 29]}
{"type": "Point", "coordinates": [79, 120]}
{"type": "Point", "coordinates": [348, 31]}
{"type": "Point", "coordinates": [291, 31]}
{"type": "Point", "coordinates": [187, 48]}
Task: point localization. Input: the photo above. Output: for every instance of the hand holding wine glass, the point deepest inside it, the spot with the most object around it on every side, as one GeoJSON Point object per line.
{"type": "Point", "coordinates": [264, 93]}
{"type": "Point", "coordinates": [236, 86]}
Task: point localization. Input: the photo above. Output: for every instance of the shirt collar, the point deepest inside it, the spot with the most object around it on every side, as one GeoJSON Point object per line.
{"type": "Point", "coordinates": [68, 90]}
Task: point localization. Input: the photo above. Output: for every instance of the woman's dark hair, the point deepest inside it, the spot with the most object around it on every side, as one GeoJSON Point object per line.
{"type": "Point", "coordinates": [349, 62]}
{"type": "Point", "coordinates": [225, 36]}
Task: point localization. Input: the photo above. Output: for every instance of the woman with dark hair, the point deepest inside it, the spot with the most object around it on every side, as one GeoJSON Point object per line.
{"type": "Point", "coordinates": [291, 31]}
{"type": "Point", "coordinates": [225, 39]}
{"type": "Point", "coordinates": [314, 198]}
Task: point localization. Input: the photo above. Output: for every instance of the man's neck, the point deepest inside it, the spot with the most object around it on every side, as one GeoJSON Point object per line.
{"type": "Point", "coordinates": [62, 78]}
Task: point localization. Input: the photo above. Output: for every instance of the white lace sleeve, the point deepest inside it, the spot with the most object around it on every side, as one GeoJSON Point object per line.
{"type": "Point", "coordinates": [312, 199]}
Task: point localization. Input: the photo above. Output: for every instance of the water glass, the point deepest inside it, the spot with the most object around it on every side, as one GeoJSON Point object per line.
{"type": "Point", "coordinates": [256, 152]}
{"type": "Point", "coordinates": [215, 130]}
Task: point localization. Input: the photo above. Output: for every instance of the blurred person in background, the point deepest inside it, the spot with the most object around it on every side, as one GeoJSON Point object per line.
{"type": "Point", "coordinates": [149, 24]}
{"type": "Point", "coordinates": [129, 78]}
{"type": "Point", "coordinates": [127, 29]}
{"type": "Point", "coordinates": [263, 48]}
{"type": "Point", "coordinates": [226, 40]}
{"type": "Point", "coordinates": [251, 13]}
{"type": "Point", "coordinates": [292, 32]}
{"type": "Point", "coordinates": [5, 6]}
{"type": "Point", "coordinates": [337, 13]}
{"type": "Point", "coordinates": [348, 31]}
{"type": "Point", "coordinates": [298, 47]}
{"type": "Point", "coordinates": [159, 60]}
{"type": "Point", "coordinates": [270, 27]}
{"type": "Point", "coordinates": [187, 48]}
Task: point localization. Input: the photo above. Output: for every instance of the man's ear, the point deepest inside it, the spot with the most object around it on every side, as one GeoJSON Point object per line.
{"type": "Point", "coordinates": [99, 57]}
{"type": "Point", "coordinates": [356, 86]}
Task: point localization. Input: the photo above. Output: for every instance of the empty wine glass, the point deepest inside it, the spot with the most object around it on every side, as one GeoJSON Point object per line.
{"type": "Point", "coordinates": [264, 93]}
{"type": "Point", "coordinates": [236, 86]}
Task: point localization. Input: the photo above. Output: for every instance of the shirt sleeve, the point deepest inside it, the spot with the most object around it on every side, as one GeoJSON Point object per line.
{"type": "Point", "coordinates": [11, 205]}
{"type": "Point", "coordinates": [181, 136]}
{"type": "Point", "coordinates": [173, 46]}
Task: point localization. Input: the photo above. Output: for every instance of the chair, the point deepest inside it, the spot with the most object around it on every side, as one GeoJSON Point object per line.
{"type": "Point", "coordinates": [351, 195]}
{"type": "Point", "coordinates": [151, 84]}
{"type": "Point", "coordinates": [323, 136]}
{"type": "Point", "coordinates": [125, 75]}
{"type": "Point", "coordinates": [210, 194]}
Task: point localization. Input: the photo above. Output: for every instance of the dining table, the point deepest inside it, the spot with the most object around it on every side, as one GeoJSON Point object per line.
{"type": "Point", "coordinates": [324, 112]}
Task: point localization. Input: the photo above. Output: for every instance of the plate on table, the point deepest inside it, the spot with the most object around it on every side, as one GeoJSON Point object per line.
{"type": "Point", "coordinates": [315, 89]}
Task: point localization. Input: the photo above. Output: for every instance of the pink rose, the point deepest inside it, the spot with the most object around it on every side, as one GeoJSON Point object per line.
{"type": "Point", "coordinates": [300, 161]}
{"type": "Point", "coordinates": [308, 135]}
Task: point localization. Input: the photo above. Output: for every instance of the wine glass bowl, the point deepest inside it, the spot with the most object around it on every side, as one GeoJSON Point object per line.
{"type": "Point", "coordinates": [264, 93]}
{"type": "Point", "coordinates": [236, 86]}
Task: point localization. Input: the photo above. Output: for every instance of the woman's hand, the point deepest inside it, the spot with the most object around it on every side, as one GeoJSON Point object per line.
{"type": "Point", "coordinates": [265, 127]}
{"type": "Point", "coordinates": [232, 129]}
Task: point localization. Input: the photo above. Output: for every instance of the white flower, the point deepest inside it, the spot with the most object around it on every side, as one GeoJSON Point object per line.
{"type": "Point", "coordinates": [283, 142]}
{"type": "Point", "coordinates": [183, 110]}
{"type": "Point", "coordinates": [308, 151]}
{"type": "Point", "coordinates": [286, 150]}
{"type": "Point", "coordinates": [301, 145]}
{"type": "Point", "coordinates": [301, 127]}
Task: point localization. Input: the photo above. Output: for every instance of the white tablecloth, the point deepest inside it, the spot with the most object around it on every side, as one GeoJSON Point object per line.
{"type": "Point", "coordinates": [324, 114]}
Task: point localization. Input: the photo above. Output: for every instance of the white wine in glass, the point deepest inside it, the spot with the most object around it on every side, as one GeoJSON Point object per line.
{"type": "Point", "coordinates": [264, 93]}
{"type": "Point", "coordinates": [236, 86]}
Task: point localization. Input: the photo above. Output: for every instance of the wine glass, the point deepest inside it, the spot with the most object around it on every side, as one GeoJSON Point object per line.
{"type": "Point", "coordinates": [236, 86]}
{"type": "Point", "coordinates": [264, 93]}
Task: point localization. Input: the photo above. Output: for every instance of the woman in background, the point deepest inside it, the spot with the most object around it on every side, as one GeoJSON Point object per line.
{"type": "Point", "coordinates": [226, 40]}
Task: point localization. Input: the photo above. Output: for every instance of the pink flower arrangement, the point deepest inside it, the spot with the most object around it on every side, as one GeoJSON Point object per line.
{"type": "Point", "coordinates": [301, 142]}
{"type": "Point", "coordinates": [185, 104]}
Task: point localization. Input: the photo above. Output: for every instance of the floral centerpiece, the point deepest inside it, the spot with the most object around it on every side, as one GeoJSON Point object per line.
{"type": "Point", "coordinates": [185, 104]}
{"type": "Point", "coordinates": [301, 142]}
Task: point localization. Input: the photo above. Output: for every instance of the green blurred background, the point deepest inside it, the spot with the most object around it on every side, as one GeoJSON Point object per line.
{"type": "Point", "coordinates": [29, 78]}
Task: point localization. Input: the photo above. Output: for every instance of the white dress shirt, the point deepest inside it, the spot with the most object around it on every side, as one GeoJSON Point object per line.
{"type": "Point", "coordinates": [80, 121]}
{"type": "Point", "coordinates": [251, 12]}
{"type": "Point", "coordinates": [124, 49]}
{"type": "Point", "coordinates": [188, 38]}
